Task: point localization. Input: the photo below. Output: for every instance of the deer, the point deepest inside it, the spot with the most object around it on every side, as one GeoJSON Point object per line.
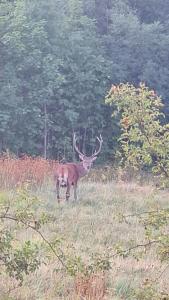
{"type": "Point", "coordinates": [68, 174]}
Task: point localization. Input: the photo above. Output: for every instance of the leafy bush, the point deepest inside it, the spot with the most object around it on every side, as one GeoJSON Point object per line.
{"type": "Point", "coordinates": [20, 258]}
{"type": "Point", "coordinates": [144, 141]}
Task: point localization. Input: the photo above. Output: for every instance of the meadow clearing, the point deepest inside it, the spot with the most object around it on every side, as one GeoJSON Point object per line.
{"type": "Point", "coordinates": [87, 228]}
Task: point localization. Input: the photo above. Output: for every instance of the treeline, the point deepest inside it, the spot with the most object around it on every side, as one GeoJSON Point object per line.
{"type": "Point", "coordinates": [58, 60]}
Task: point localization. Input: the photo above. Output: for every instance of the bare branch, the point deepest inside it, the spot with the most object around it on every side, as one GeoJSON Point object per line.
{"type": "Point", "coordinates": [147, 212]}
{"type": "Point", "coordinates": [121, 252]}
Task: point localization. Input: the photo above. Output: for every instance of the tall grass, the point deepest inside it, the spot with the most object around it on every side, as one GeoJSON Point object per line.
{"type": "Point", "coordinates": [14, 171]}
{"type": "Point", "coordinates": [87, 227]}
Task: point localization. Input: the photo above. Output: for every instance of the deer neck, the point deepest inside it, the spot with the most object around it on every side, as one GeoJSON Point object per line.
{"type": "Point", "coordinates": [81, 170]}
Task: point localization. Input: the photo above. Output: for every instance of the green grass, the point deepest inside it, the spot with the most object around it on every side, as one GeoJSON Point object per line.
{"type": "Point", "coordinates": [89, 226]}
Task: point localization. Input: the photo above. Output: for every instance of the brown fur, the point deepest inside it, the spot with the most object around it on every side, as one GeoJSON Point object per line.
{"type": "Point", "coordinates": [69, 174]}
{"type": "Point", "coordinates": [68, 170]}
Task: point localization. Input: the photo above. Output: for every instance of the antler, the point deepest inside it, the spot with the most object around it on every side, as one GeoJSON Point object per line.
{"type": "Point", "coordinates": [80, 153]}
{"type": "Point", "coordinates": [100, 145]}
{"type": "Point", "coordinates": [75, 146]}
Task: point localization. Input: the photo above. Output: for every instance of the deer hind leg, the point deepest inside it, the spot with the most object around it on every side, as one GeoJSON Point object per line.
{"type": "Point", "coordinates": [68, 192]}
{"type": "Point", "coordinates": [58, 190]}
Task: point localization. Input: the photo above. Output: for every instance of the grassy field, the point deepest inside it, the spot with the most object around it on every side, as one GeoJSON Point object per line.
{"type": "Point", "coordinates": [87, 227]}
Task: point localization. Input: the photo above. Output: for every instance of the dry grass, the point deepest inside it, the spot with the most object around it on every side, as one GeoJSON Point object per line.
{"type": "Point", "coordinates": [89, 226]}
{"type": "Point", "coordinates": [90, 287]}
{"type": "Point", "coordinates": [14, 171]}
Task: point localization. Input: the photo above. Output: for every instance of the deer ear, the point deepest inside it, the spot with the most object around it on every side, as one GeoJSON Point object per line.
{"type": "Point", "coordinates": [81, 156]}
{"type": "Point", "coordinates": [94, 158]}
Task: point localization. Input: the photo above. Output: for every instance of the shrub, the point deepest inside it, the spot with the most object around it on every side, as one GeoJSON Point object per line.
{"type": "Point", "coordinates": [144, 141]}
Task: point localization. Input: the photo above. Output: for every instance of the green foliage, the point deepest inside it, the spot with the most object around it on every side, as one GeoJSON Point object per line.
{"type": "Point", "coordinates": [149, 291]}
{"type": "Point", "coordinates": [57, 61]}
{"type": "Point", "coordinates": [54, 60]}
{"type": "Point", "coordinates": [145, 138]}
{"type": "Point", "coordinates": [155, 224]}
{"type": "Point", "coordinates": [20, 258]}
{"type": "Point", "coordinates": [22, 261]}
{"type": "Point", "coordinates": [76, 265]}
{"type": "Point", "coordinates": [150, 11]}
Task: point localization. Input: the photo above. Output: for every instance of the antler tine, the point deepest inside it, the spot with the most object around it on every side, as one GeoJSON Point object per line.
{"type": "Point", "coordinates": [100, 139]}
{"type": "Point", "coordinates": [75, 146]}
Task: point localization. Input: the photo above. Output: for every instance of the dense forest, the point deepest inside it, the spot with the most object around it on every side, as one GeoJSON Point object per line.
{"type": "Point", "coordinates": [58, 60]}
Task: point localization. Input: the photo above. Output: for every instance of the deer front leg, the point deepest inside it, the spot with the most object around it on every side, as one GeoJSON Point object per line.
{"type": "Point", "coordinates": [75, 191]}
{"type": "Point", "coordinates": [58, 190]}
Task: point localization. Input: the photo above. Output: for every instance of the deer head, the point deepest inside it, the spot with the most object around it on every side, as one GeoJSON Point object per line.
{"type": "Point", "coordinates": [87, 161]}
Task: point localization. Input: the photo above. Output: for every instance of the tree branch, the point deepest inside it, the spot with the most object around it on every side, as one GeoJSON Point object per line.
{"type": "Point", "coordinates": [9, 217]}
{"type": "Point", "coordinates": [146, 212]}
{"type": "Point", "coordinates": [134, 247]}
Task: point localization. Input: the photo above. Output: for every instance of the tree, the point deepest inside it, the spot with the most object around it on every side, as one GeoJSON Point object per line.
{"type": "Point", "coordinates": [58, 64]}
{"type": "Point", "coordinates": [132, 47]}
{"type": "Point", "coordinates": [151, 11]}
{"type": "Point", "coordinates": [144, 139]}
{"type": "Point", "coordinates": [58, 59]}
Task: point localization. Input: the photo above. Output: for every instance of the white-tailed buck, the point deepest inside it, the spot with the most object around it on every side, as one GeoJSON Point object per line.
{"type": "Point", "coordinates": [68, 174]}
